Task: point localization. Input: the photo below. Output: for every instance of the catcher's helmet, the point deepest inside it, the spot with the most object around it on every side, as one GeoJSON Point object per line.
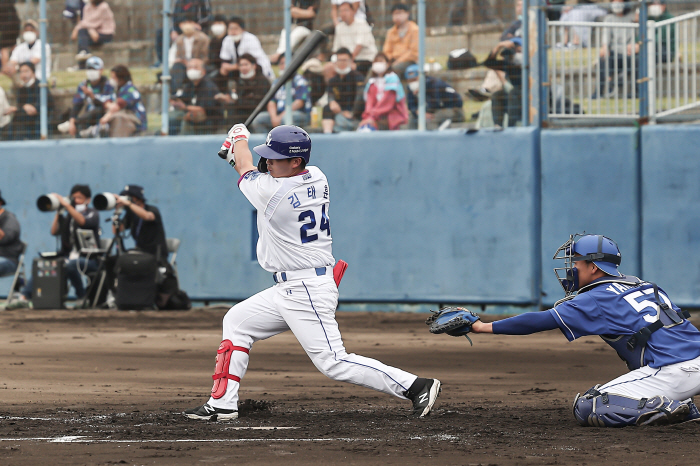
{"type": "Point", "coordinates": [285, 142]}
{"type": "Point", "coordinates": [599, 249]}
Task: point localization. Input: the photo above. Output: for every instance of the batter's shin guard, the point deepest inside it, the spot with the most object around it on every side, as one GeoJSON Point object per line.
{"type": "Point", "coordinates": [221, 375]}
{"type": "Point", "coordinates": [597, 409]}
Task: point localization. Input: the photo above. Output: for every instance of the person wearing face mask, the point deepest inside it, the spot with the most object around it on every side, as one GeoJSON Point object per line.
{"type": "Point", "coordinates": [194, 108]}
{"type": "Point", "coordinates": [192, 43]}
{"type": "Point", "coordinates": [199, 10]}
{"type": "Point", "coordinates": [239, 42]}
{"type": "Point", "coordinates": [126, 114]}
{"type": "Point", "coordinates": [29, 51]}
{"type": "Point", "coordinates": [25, 120]}
{"type": "Point", "coordinates": [507, 57]}
{"type": "Point", "coordinates": [401, 44]}
{"type": "Point", "coordinates": [303, 13]}
{"type": "Point", "coordinates": [385, 99]}
{"type": "Point", "coordinates": [344, 108]}
{"type": "Point", "coordinates": [667, 38]}
{"type": "Point", "coordinates": [614, 50]}
{"type": "Point", "coordinates": [442, 101]}
{"type": "Point", "coordinates": [89, 100]}
{"type": "Point", "coordinates": [96, 27]}
{"type": "Point", "coordinates": [301, 105]}
{"type": "Point", "coordinates": [355, 35]}
{"type": "Point", "coordinates": [217, 34]}
{"type": "Point", "coordinates": [251, 86]}
{"type": "Point", "coordinates": [78, 215]}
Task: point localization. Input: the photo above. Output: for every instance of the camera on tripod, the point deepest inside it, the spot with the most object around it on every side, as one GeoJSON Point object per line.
{"type": "Point", "coordinates": [106, 201]}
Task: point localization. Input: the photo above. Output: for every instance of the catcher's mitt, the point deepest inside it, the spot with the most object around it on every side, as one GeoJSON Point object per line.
{"type": "Point", "coordinates": [454, 321]}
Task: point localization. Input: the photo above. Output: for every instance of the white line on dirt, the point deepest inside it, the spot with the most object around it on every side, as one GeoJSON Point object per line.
{"type": "Point", "coordinates": [84, 439]}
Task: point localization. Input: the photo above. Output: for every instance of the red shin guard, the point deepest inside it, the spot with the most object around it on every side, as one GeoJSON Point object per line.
{"type": "Point", "coordinates": [221, 375]}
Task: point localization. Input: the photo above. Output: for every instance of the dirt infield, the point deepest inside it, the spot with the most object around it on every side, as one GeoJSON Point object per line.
{"type": "Point", "coordinates": [108, 387]}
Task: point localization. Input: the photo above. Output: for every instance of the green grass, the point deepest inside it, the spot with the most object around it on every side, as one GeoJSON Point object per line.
{"type": "Point", "coordinates": [71, 79]}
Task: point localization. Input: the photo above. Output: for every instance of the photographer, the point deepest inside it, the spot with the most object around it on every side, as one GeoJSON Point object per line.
{"type": "Point", "coordinates": [79, 215]}
{"type": "Point", "coordinates": [144, 221]}
{"type": "Point", "coordinates": [10, 244]}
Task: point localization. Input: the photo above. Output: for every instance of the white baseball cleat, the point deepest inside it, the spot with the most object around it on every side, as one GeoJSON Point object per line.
{"type": "Point", "coordinates": [210, 413]}
{"type": "Point", "coordinates": [423, 393]}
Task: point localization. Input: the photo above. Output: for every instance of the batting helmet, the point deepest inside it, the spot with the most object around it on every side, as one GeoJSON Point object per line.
{"type": "Point", "coordinates": [285, 142]}
{"type": "Point", "coordinates": [599, 249]}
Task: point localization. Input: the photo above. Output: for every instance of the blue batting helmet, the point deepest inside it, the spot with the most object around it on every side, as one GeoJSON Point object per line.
{"type": "Point", "coordinates": [286, 142]}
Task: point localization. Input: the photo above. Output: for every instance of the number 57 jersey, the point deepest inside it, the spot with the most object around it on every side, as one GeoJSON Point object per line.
{"type": "Point", "coordinates": [293, 221]}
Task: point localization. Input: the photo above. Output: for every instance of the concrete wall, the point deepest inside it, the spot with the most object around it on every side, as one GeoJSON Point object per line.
{"type": "Point", "coordinates": [420, 217]}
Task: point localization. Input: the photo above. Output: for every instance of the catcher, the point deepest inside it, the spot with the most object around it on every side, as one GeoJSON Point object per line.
{"type": "Point", "coordinates": [636, 318]}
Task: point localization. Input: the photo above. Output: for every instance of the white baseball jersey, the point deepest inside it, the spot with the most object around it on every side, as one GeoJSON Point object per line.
{"type": "Point", "coordinates": [293, 219]}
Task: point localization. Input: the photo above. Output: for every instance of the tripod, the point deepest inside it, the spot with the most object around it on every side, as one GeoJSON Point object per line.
{"type": "Point", "coordinates": [101, 275]}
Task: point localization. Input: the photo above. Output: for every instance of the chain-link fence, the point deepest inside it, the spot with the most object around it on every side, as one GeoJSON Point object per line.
{"type": "Point", "coordinates": [104, 65]}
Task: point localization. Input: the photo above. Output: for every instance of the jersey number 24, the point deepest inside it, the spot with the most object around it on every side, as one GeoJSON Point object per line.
{"type": "Point", "coordinates": [306, 227]}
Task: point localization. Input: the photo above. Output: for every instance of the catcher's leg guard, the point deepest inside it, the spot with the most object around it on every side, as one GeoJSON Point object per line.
{"type": "Point", "coordinates": [221, 375]}
{"type": "Point", "coordinates": [597, 409]}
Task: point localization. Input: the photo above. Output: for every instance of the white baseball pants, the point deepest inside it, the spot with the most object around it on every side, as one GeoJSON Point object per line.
{"type": "Point", "coordinates": [307, 308]}
{"type": "Point", "coordinates": [678, 381]}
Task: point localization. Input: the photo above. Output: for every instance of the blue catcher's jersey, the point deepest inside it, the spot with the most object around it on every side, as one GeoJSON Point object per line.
{"type": "Point", "coordinates": [616, 311]}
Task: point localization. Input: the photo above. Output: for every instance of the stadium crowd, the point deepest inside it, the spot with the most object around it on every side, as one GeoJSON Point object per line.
{"type": "Point", "coordinates": [219, 71]}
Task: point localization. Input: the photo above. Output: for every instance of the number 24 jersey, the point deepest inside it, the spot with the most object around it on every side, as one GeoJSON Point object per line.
{"type": "Point", "coordinates": [293, 219]}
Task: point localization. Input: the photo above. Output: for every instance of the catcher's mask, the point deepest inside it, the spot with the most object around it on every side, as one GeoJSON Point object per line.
{"type": "Point", "coordinates": [599, 249]}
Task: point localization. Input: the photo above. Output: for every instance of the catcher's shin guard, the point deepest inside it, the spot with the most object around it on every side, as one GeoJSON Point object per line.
{"type": "Point", "coordinates": [597, 409]}
{"type": "Point", "coordinates": [221, 375]}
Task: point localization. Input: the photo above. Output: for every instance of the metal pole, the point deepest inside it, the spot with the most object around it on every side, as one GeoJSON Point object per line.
{"type": "Point", "coordinates": [288, 120]}
{"type": "Point", "coordinates": [651, 70]}
{"type": "Point", "coordinates": [421, 65]}
{"type": "Point", "coordinates": [165, 77]}
{"type": "Point", "coordinates": [525, 82]}
{"type": "Point", "coordinates": [643, 61]}
{"type": "Point", "coordinates": [43, 101]}
{"type": "Point", "coordinates": [542, 73]}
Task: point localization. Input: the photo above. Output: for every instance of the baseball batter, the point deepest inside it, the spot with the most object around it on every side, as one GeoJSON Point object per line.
{"type": "Point", "coordinates": [636, 318]}
{"type": "Point", "coordinates": [292, 200]}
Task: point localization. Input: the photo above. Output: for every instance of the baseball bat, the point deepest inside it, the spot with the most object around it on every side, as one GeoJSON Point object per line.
{"type": "Point", "coordinates": [303, 52]}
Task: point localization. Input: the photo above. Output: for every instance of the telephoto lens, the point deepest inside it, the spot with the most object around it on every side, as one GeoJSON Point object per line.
{"type": "Point", "coordinates": [105, 201]}
{"type": "Point", "coordinates": [48, 203]}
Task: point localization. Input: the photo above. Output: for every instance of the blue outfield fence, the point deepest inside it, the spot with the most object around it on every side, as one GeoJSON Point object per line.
{"type": "Point", "coordinates": [420, 217]}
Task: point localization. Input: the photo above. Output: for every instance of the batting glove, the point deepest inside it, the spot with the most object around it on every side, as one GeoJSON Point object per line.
{"type": "Point", "coordinates": [238, 132]}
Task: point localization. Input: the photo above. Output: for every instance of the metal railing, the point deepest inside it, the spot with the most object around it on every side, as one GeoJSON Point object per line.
{"type": "Point", "coordinates": [597, 82]}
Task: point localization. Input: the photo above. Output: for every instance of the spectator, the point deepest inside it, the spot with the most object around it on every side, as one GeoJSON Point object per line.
{"type": "Point", "coordinates": [5, 118]}
{"type": "Point", "coordinates": [89, 100]}
{"type": "Point", "coordinates": [303, 15]}
{"type": "Point", "coordinates": [199, 10]}
{"type": "Point", "coordinates": [195, 109]}
{"type": "Point", "coordinates": [26, 119]}
{"type": "Point", "coordinates": [667, 39]}
{"type": "Point", "coordinates": [192, 43]}
{"type": "Point", "coordinates": [73, 10]}
{"type": "Point", "coordinates": [507, 58]}
{"type": "Point", "coordinates": [493, 81]}
{"type": "Point", "coordinates": [301, 105]}
{"type": "Point", "coordinates": [442, 102]}
{"type": "Point", "coordinates": [385, 100]}
{"type": "Point", "coordinates": [344, 96]}
{"type": "Point", "coordinates": [355, 35]}
{"type": "Point", "coordinates": [251, 87]}
{"type": "Point", "coordinates": [79, 215]}
{"type": "Point", "coordinates": [217, 35]}
{"type": "Point", "coordinates": [9, 31]}
{"type": "Point", "coordinates": [358, 6]}
{"type": "Point", "coordinates": [29, 51]}
{"type": "Point", "coordinates": [401, 44]}
{"type": "Point", "coordinates": [614, 50]}
{"type": "Point", "coordinates": [239, 42]}
{"type": "Point", "coordinates": [585, 11]}
{"type": "Point", "coordinates": [10, 243]}
{"type": "Point", "coordinates": [126, 115]}
{"type": "Point", "coordinates": [94, 29]}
